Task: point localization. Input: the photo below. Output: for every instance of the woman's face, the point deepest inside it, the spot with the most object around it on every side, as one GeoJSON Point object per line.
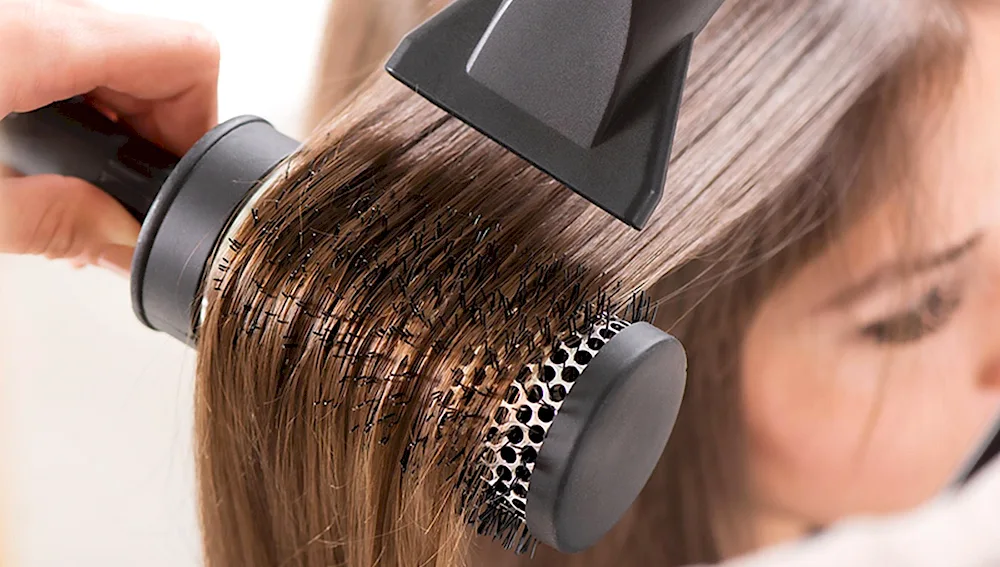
{"type": "Point", "coordinates": [871, 375]}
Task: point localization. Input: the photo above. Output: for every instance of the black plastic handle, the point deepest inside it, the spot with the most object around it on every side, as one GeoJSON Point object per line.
{"type": "Point", "coordinates": [72, 138]}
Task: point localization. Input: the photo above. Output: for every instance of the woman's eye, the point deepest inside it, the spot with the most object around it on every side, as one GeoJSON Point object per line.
{"type": "Point", "coordinates": [933, 312]}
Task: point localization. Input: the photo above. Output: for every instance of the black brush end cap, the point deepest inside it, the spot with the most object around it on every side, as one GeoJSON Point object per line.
{"type": "Point", "coordinates": [192, 211]}
{"type": "Point", "coordinates": [607, 438]}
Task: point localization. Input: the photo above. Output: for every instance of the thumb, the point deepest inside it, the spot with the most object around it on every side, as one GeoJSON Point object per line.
{"type": "Point", "coordinates": [65, 218]}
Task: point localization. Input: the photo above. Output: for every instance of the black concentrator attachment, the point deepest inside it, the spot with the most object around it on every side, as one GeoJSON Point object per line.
{"type": "Point", "coordinates": [184, 205]}
{"type": "Point", "coordinates": [588, 92]}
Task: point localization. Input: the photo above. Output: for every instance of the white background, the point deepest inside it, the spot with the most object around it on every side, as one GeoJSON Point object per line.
{"type": "Point", "coordinates": [95, 410]}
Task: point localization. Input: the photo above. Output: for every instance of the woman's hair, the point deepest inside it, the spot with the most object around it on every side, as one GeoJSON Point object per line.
{"type": "Point", "coordinates": [359, 35]}
{"type": "Point", "coordinates": [398, 272]}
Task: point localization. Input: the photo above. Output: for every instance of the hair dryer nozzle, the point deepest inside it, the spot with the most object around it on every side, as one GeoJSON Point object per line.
{"type": "Point", "coordinates": [588, 92]}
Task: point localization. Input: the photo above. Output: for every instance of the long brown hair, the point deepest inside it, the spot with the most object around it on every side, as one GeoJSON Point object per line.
{"type": "Point", "coordinates": [392, 278]}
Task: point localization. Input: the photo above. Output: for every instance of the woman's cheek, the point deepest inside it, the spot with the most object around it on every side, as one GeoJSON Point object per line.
{"type": "Point", "coordinates": [925, 424]}
{"type": "Point", "coordinates": [802, 424]}
{"type": "Point", "coordinates": [858, 428]}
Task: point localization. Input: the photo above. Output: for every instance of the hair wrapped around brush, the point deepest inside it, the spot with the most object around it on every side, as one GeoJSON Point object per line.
{"type": "Point", "coordinates": [382, 291]}
{"type": "Point", "coordinates": [374, 322]}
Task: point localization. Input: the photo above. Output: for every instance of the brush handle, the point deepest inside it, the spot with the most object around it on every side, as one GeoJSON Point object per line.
{"type": "Point", "coordinates": [72, 138]}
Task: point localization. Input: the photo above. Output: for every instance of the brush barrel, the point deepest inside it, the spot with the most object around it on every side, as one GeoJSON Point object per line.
{"type": "Point", "coordinates": [607, 438]}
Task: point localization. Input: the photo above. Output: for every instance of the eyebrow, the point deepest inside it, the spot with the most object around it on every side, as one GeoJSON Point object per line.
{"type": "Point", "coordinates": [900, 269]}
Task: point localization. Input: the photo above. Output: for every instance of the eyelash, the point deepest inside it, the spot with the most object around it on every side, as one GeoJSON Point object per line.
{"type": "Point", "coordinates": [932, 314]}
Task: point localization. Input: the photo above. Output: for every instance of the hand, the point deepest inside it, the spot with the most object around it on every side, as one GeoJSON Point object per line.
{"type": "Point", "coordinates": [160, 76]}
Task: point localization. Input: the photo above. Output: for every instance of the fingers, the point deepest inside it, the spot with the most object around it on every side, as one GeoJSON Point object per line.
{"type": "Point", "coordinates": [175, 124]}
{"type": "Point", "coordinates": [65, 218]}
{"type": "Point", "coordinates": [159, 75]}
{"type": "Point", "coordinates": [54, 50]}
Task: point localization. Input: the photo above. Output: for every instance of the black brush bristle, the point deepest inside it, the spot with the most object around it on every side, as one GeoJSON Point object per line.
{"type": "Point", "coordinates": [440, 272]}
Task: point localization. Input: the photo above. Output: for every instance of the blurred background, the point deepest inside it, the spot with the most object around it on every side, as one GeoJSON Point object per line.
{"type": "Point", "coordinates": [96, 462]}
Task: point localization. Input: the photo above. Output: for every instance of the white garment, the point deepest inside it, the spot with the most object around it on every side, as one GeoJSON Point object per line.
{"type": "Point", "coordinates": [957, 529]}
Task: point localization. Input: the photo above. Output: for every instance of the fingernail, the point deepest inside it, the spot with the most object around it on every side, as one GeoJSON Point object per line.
{"type": "Point", "coordinates": [122, 233]}
{"type": "Point", "coordinates": [117, 259]}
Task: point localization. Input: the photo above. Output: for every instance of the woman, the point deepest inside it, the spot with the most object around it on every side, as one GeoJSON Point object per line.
{"type": "Point", "coordinates": [844, 104]}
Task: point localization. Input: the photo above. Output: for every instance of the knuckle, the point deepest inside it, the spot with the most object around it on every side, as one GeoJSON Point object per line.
{"type": "Point", "coordinates": [19, 20]}
{"type": "Point", "coordinates": [201, 40]}
{"type": "Point", "coordinates": [56, 234]}
{"type": "Point", "coordinates": [25, 29]}
{"type": "Point", "coordinates": [19, 13]}
{"type": "Point", "coordinates": [15, 21]}
{"type": "Point", "coordinates": [52, 237]}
